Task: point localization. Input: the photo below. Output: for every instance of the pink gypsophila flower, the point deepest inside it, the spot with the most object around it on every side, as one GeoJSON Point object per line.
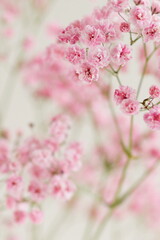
{"type": "Point", "coordinates": [42, 157]}
{"type": "Point", "coordinates": [119, 5]}
{"type": "Point", "coordinates": [15, 185]}
{"type": "Point", "coordinates": [140, 16]}
{"type": "Point", "coordinates": [60, 127]}
{"type": "Point", "coordinates": [121, 54]}
{"type": "Point", "coordinates": [88, 72]}
{"type": "Point", "coordinates": [36, 216]}
{"type": "Point", "coordinates": [152, 118]}
{"type": "Point", "coordinates": [71, 34]}
{"type": "Point", "coordinates": [37, 190]}
{"type": "Point", "coordinates": [155, 8]}
{"type": "Point", "coordinates": [75, 54]}
{"type": "Point", "coordinates": [142, 2]}
{"type": "Point", "coordinates": [124, 93]}
{"type": "Point", "coordinates": [93, 36]}
{"type": "Point", "coordinates": [99, 56]}
{"type": "Point", "coordinates": [130, 106]}
{"type": "Point", "coordinates": [20, 216]}
{"type": "Point", "coordinates": [154, 92]}
{"type": "Point", "coordinates": [62, 188]}
{"type": "Point", "coordinates": [125, 27]}
{"type": "Point", "coordinates": [152, 32]}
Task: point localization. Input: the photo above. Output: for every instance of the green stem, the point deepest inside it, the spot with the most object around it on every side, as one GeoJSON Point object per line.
{"type": "Point", "coordinates": [144, 69]}
{"type": "Point", "coordinates": [102, 226]}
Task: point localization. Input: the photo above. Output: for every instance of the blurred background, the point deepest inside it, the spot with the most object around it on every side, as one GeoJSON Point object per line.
{"type": "Point", "coordinates": [27, 28]}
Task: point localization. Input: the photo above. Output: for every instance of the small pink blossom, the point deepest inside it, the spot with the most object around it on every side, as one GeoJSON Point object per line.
{"type": "Point", "coordinates": [11, 202]}
{"type": "Point", "coordinates": [155, 8]}
{"type": "Point", "coordinates": [15, 185]}
{"type": "Point", "coordinates": [20, 216]}
{"type": "Point", "coordinates": [62, 188]}
{"type": "Point", "coordinates": [75, 54]}
{"type": "Point", "coordinates": [130, 106]}
{"type": "Point", "coordinates": [152, 118]}
{"type": "Point", "coordinates": [120, 54]}
{"type": "Point", "coordinates": [93, 36]}
{"type": "Point", "coordinates": [72, 157]}
{"type": "Point", "coordinates": [154, 91]}
{"type": "Point", "coordinates": [99, 56]}
{"type": "Point", "coordinates": [142, 2]}
{"type": "Point", "coordinates": [70, 35]}
{"type": "Point", "coordinates": [36, 216]}
{"type": "Point", "coordinates": [110, 30]}
{"type": "Point", "coordinates": [60, 127]}
{"type": "Point", "coordinates": [152, 32]}
{"type": "Point", "coordinates": [124, 93]}
{"type": "Point", "coordinates": [125, 27]}
{"type": "Point", "coordinates": [88, 72]}
{"type": "Point", "coordinates": [42, 157]}
{"type": "Point", "coordinates": [119, 5]}
{"type": "Point", "coordinates": [140, 16]}
{"type": "Point", "coordinates": [37, 190]}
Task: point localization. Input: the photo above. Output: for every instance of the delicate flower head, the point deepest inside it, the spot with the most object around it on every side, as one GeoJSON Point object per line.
{"type": "Point", "coordinates": [119, 5]}
{"type": "Point", "coordinates": [99, 56]}
{"type": "Point", "coordinates": [123, 93]}
{"type": "Point", "coordinates": [87, 72]}
{"type": "Point", "coordinates": [152, 32]}
{"type": "Point", "coordinates": [152, 118]}
{"type": "Point", "coordinates": [130, 106]}
{"type": "Point", "coordinates": [15, 185]}
{"type": "Point", "coordinates": [154, 91]}
{"type": "Point", "coordinates": [140, 16]}
{"type": "Point", "coordinates": [75, 54]}
{"type": "Point", "coordinates": [62, 188]}
{"type": "Point", "coordinates": [125, 27]}
{"type": "Point", "coordinates": [93, 36]}
{"type": "Point", "coordinates": [60, 126]}
{"type": "Point", "coordinates": [20, 216]}
{"type": "Point", "coordinates": [120, 54]}
{"type": "Point", "coordinates": [70, 35]}
{"type": "Point", "coordinates": [36, 216]}
{"type": "Point", "coordinates": [155, 7]}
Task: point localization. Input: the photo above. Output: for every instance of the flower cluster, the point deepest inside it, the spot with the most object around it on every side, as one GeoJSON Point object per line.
{"type": "Point", "coordinates": [126, 97]}
{"type": "Point", "coordinates": [39, 168]}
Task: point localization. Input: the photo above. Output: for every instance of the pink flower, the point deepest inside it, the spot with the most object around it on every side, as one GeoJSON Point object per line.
{"type": "Point", "coordinates": [125, 27]}
{"type": "Point", "coordinates": [37, 190]}
{"type": "Point", "coordinates": [93, 36]}
{"type": "Point", "coordinates": [140, 16]}
{"type": "Point", "coordinates": [42, 157]}
{"type": "Point", "coordinates": [154, 91]}
{"type": "Point", "coordinates": [155, 8]}
{"type": "Point", "coordinates": [120, 54]}
{"type": "Point", "coordinates": [119, 5]}
{"type": "Point", "coordinates": [110, 30]}
{"type": "Point", "coordinates": [152, 32]}
{"type": "Point", "coordinates": [88, 72]}
{"type": "Point", "coordinates": [124, 93]}
{"type": "Point", "coordinates": [75, 54]}
{"type": "Point", "coordinates": [20, 216]}
{"type": "Point", "coordinates": [130, 106]}
{"type": "Point", "coordinates": [60, 126]}
{"type": "Point", "coordinates": [36, 216]}
{"type": "Point", "coordinates": [72, 158]}
{"type": "Point", "coordinates": [98, 56]}
{"type": "Point", "coordinates": [15, 185]}
{"type": "Point", "coordinates": [11, 202]}
{"type": "Point", "coordinates": [142, 2]}
{"type": "Point", "coordinates": [71, 34]}
{"type": "Point", "coordinates": [152, 118]}
{"type": "Point", "coordinates": [62, 188]}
